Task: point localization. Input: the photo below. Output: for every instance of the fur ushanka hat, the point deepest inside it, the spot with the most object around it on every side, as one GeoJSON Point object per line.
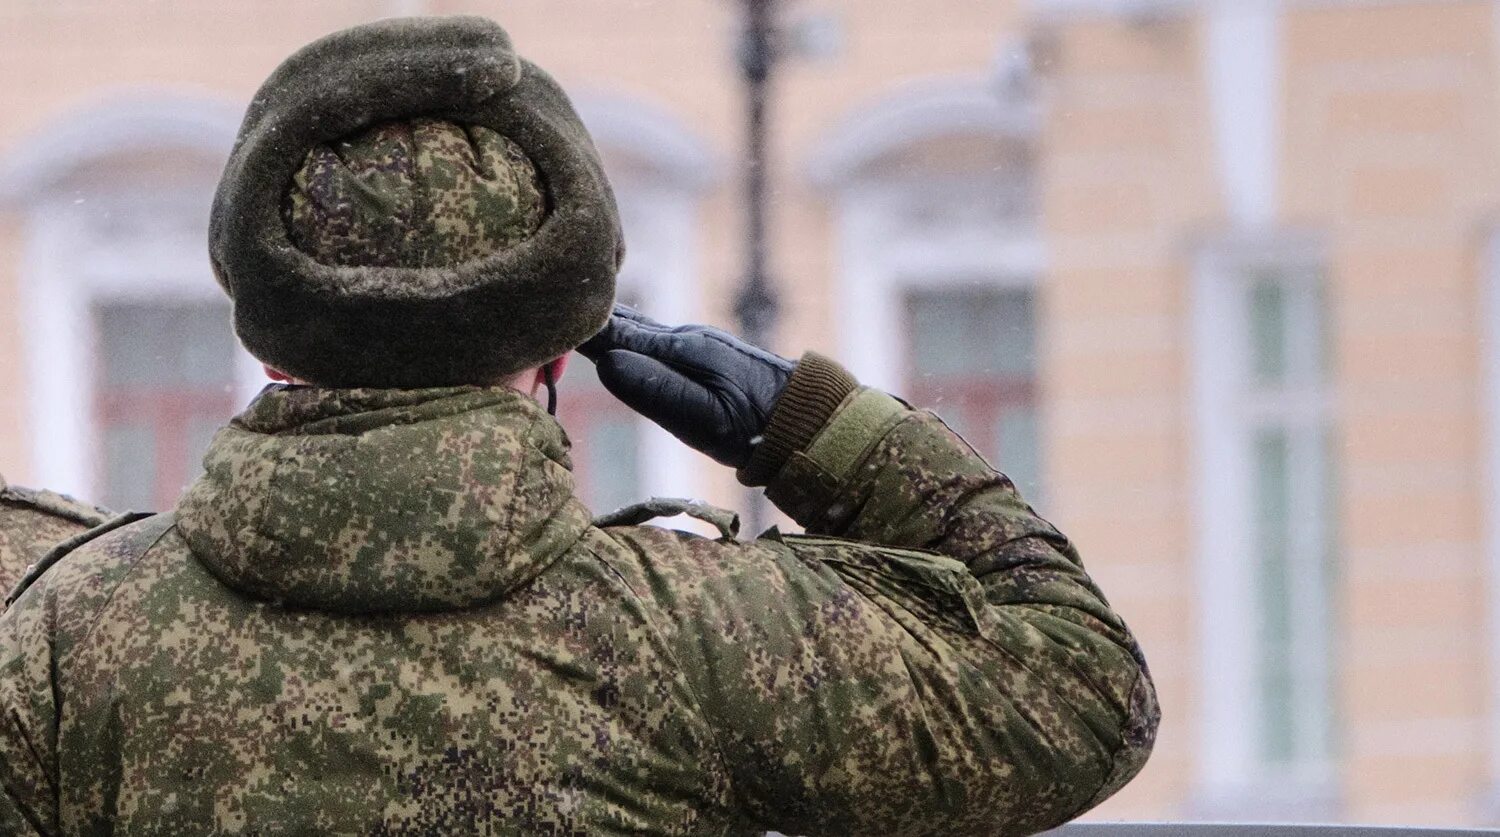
{"type": "Point", "coordinates": [477, 321]}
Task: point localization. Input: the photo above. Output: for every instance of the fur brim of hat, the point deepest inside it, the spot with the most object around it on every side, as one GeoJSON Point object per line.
{"type": "Point", "coordinates": [471, 323]}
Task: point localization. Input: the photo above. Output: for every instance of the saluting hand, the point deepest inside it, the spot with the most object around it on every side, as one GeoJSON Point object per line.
{"type": "Point", "coordinates": [707, 387]}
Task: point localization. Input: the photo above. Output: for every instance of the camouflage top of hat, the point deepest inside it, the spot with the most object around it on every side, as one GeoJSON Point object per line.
{"type": "Point", "coordinates": [383, 610]}
{"type": "Point", "coordinates": [413, 193]}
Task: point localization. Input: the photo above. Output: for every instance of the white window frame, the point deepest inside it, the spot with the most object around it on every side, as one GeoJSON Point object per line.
{"type": "Point", "coordinates": [1231, 780]}
{"type": "Point", "coordinates": [880, 258]}
{"type": "Point", "coordinates": [64, 275]}
{"type": "Point", "coordinates": [881, 264]}
{"type": "Point", "coordinates": [65, 268]}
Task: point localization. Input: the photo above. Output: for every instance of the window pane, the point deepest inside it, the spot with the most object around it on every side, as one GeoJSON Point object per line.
{"type": "Point", "coordinates": [1319, 346]}
{"type": "Point", "coordinates": [1268, 323]}
{"type": "Point", "coordinates": [1310, 558]}
{"type": "Point", "coordinates": [613, 464]}
{"type": "Point", "coordinates": [166, 383]}
{"type": "Point", "coordinates": [1288, 357]}
{"type": "Point", "coordinates": [972, 332]}
{"type": "Point", "coordinates": [1020, 451]}
{"type": "Point", "coordinates": [205, 341]}
{"type": "Point", "coordinates": [606, 436]}
{"type": "Point", "coordinates": [1277, 686]}
{"type": "Point", "coordinates": [130, 459]}
{"type": "Point", "coordinates": [1323, 738]}
{"type": "Point", "coordinates": [1010, 317]}
{"type": "Point", "coordinates": [938, 346]}
{"type": "Point", "coordinates": [165, 344]}
{"type": "Point", "coordinates": [127, 344]}
{"type": "Point", "coordinates": [1294, 551]}
{"type": "Point", "coordinates": [973, 360]}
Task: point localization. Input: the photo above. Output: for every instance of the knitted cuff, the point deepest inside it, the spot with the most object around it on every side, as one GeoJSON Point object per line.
{"type": "Point", "coordinates": [817, 386]}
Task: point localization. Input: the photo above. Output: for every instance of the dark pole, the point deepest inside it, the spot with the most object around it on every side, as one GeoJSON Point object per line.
{"type": "Point", "coordinates": [755, 303]}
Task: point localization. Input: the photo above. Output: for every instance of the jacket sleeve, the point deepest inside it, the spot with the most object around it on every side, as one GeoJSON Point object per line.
{"type": "Point", "coordinates": [53, 614]}
{"type": "Point", "coordinates": [933, 660]}
{"type": "Point", "coordinates": [28, 719]}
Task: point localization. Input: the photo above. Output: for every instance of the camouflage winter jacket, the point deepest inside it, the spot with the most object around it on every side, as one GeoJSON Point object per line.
{"type": "Point", "coordinates": [32, 522]}
{"type": "Point", "coordinates": [385, 612]}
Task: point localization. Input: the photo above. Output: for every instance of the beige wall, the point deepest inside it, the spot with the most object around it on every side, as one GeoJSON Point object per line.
{"type": "Point", "coordinates": [1387, 156]}
{"type": "Point", "coordinates": [1391, 142]}
{"type": "Point", "coordinates": [1124, 178]}
{"type": "Point", "coordinates": [57, 56]}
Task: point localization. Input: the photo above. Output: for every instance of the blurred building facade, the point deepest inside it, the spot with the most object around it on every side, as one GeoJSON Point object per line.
{"type": "Point", "coordinates": [1217, 282]}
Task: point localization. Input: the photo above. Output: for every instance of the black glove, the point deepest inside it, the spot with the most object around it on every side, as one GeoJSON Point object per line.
{"type": "Point", "coordinates": [707, 387]}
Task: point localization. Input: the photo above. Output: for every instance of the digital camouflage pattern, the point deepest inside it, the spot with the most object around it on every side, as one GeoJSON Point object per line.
{"type": "Point", "coordinates": [32, 522]}
{"type": "Point", "coordinates": [416, 193]}
{"type": "Point", "coordinates": [384, 612]}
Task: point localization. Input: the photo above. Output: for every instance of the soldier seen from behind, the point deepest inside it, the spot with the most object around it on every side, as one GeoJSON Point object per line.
{"type": "Point", "coordinates": [382, 610]}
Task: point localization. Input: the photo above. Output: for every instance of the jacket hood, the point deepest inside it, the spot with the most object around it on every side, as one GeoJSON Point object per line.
{"type": "Point", "coordinates": [376, 500]}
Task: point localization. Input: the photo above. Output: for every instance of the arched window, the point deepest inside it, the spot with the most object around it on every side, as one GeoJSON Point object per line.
{"type": "Point", "coordinates": [130, 359]}
{"type": "Point", "coordinates": [940, 258]}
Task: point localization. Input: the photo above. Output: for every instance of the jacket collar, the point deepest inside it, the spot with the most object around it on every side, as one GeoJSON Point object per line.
{"type": "Point", "coordinates": [368, 500]}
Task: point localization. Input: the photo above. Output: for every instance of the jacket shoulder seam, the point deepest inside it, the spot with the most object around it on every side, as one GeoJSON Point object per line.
{"type": "Point", "coordinates": [98, 615]}
{"type": "Point", "coordinates": [67, 547]}
{"type": "Point", "coordinates": [58, 506]}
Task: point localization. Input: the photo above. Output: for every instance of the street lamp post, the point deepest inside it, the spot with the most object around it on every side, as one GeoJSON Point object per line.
{"type": "Point", "coordinates": [755, 304]}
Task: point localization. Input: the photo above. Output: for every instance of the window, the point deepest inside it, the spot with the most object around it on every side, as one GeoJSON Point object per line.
{"type": "Point", "coordinates": [606, 440]}
{"type": "Point", "coordinates": [165, 384]}
{"type": "Point", "coordinates": [1287, 427]}
{"type": "Point", "coordinates": [1265, 474]}
{"type": "Point", "coordinates": [972, 358]}
{"type": "Point", "coordinates": [935, 199]}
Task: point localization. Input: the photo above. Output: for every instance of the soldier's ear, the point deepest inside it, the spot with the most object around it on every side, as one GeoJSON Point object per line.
{"type": "Point", "coordinates": [532, 380]}
{"type": "Point", "coordinates": [558, 367]}
{"type": "Point", "coordinates": [277, 375]}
